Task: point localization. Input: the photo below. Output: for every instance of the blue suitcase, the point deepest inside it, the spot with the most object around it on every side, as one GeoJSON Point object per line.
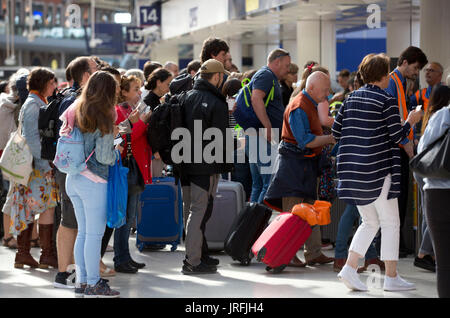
{"type": "Point", "coordinates": [160, 216]}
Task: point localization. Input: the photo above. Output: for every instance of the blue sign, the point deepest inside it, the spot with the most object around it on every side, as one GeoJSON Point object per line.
{"type": "Point", "coordinates": [109, 38]}
{"type": "Point", "coordinates": [150, 15]}
{"type": "Point", "coordinates": [134, 39]}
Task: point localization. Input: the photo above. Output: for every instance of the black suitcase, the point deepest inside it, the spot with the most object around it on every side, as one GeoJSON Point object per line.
{"type": "Point", "coordinates": [245, 230]}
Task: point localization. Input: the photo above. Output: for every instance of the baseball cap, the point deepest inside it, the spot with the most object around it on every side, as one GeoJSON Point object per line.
{"type": "Point", "coordinates": [213, 66]}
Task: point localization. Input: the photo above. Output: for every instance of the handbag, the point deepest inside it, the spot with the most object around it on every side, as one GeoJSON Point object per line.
{"type": "Point", "coordinates": [434, 161]}
{"type": "Point", "coordinates": [136, 182]}
{"type": "Point", "coordinates": [16, 161]}
{"type": "Point", "coordinates": [117, 195]}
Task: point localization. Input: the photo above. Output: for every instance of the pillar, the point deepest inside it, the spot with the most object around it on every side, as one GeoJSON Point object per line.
{"type": "Point", "coordinates": [434, 31]}
{"type": "Point", "coordinates": [316, 40]}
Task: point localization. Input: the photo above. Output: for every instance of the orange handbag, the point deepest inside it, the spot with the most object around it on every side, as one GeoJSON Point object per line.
{"type": "Point", "coordinates": [316, 214]}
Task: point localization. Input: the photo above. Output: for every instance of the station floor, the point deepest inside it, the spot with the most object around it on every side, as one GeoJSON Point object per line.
{"type": "Point", "coordinates": [162, 278]}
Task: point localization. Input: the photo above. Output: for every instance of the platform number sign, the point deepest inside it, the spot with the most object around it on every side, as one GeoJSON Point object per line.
{"type": "Point", "coordinates": [150, 15]}
{"type": "Point", "coordinates": [134, 39]}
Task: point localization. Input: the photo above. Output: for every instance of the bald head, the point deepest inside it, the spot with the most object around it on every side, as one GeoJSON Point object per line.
{"type": "Point", "coordinates": [318, 86]}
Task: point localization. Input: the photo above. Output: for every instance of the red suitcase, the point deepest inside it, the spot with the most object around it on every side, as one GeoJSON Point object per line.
{"type": "Point", "coordinates": [280, 241]}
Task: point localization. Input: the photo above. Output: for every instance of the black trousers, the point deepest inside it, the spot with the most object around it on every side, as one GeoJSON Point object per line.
{"type": "Point", "coordinates": [438, 219]}
{"type": "Point", "coordinates": [403, 198]}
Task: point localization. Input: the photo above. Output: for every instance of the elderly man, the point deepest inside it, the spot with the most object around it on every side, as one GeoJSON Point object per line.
{"type": "Point", "coordinates": [297, 165]}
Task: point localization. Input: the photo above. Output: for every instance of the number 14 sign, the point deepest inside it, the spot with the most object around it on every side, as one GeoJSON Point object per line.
{"type": "Point", "coordinates": [150, 15]}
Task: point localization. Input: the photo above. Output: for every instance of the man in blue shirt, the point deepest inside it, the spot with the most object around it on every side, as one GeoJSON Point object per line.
{"type": "Point", "coordinates": [265, 84]}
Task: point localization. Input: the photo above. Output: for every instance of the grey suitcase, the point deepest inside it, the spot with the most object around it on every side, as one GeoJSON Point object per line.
{"type": "Point", "coordinates": [330, 231]}
{"type": "Point", "coordinates": [228, 202]}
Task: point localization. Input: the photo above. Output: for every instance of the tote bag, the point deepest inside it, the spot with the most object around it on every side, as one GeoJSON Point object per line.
{"type": "Point", "coordinates": [117, 195]}
{"type": "Point", "coordinates": [434, 161]}
{"type": "Point", "coordinates": [16, 161]}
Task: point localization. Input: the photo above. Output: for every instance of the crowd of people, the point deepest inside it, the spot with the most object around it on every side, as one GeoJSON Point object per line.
{"type": "Point", "coordinates": [372, 126]}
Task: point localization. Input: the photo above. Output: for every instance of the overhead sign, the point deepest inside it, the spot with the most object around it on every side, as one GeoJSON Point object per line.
{"type": "Point", "coordinates": [108, 38]}
{"type": "Point", "coordinates": [150, 15]}
{"type": "Point", "coordinates": [134, 39]}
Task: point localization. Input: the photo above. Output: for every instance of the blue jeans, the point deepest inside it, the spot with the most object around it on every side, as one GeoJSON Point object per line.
{"type": "Point", "coordinates": [258, 169]}
{"type": "Point", "coordinates": [344, 230]}
{"type": "Point", "coordinates": [89, 201]}
{"type": "Point", "coordinates": [122, 234]}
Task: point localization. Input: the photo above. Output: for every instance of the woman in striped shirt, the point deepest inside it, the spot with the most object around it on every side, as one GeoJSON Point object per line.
{"type": "Point", "coordinates": [369, 129]}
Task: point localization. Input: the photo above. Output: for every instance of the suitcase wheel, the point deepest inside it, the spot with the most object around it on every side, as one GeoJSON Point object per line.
{"type": "Point", "coordinates": [246, 262]}
{"type": "Point", "coordinates": [174, 247]}
{"type": "Point", "coordinates": [279, 269]}
{"type": "Point", "coordinates": [261, 253]}
{"type": "Point", "coordinates": [268, 268]}
{"type": "Point", "coordinates": [140, 247]}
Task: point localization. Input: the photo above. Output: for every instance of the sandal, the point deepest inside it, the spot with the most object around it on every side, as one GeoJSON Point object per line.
{"type": "Point", "coordinates": [6, 243]}
{"type": "Point", "coordinates": [108, 272]}
{"type": "Point", "coordinates": [35, 243]}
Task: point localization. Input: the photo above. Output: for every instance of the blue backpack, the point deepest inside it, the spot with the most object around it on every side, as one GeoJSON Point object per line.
{"type": "Point", "coordinates": [244, 114]}
{"type": "Point", "coordinates": [70, 158]}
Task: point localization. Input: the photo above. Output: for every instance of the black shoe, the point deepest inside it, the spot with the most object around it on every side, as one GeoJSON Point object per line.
{"type": "Point", "coordinates": [136, 264]}
{"type": "Point", "coordinates": [426, 262]}
{"type": "Point", "coordinates": [202, 268]}
{"type": "Point", "coordinates": [208, 260]}
{"type": "Point", "coordinates": [64, 280]}
{"type": "Point", "coordinates": [125, 268]}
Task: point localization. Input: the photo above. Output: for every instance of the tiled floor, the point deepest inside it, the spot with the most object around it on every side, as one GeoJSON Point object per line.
{"type": "Point", "coordinates": [162, 278]}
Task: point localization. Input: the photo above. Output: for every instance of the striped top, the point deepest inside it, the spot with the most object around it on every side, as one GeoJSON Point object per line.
{"type": "Point", "coordinates": [368, 128]}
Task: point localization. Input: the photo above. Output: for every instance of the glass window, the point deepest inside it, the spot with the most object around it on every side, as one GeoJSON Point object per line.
{"type": "Point", "coordinates": [58, 16]}
{"type": "Point", "coordinates": [49, 16]}
{"type": "Point", "coordinates": [38, 13]}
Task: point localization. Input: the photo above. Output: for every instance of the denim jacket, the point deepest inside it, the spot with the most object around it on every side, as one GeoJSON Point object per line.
{"type": "Point", "coordinates": [104, 154]}
{"type": "Point", "coordinates": [28, 116]}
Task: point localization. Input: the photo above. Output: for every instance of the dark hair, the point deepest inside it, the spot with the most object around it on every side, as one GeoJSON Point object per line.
{"type": "Point", "coordinates": [38, 79]}
{"type": "Point", "coordinates": [344, 73]}
{"type": "Point", "coordinates": [249, 74]}
{"type": "Point", "coordinates": [159, 74]}
{"type": "Point", "coordinates": [3, 85]}
{"type": "Point", "coordinates": [96, 107]}
{"type": "Point", "coordinates": [373, 67]}
{"type": "Point", "coordinates": [412, 55]}
{"type": "Point", "coordinates": [78, 67]}
{"type": "Point", "coordinates": [111, 70]}
{"type": "Point", "coordinates": [231, 87]}
{"type": "Point", "coordinates": [149, 67]}
{"type": "Point", "coordinates": [67, 73]}
{"type": "Point", "coordinates": [440, 97]}
{"type": "Point", "coordinates": [194, 66]}
{"type": "Point", "coordinates": [207, 76]}
{"type": "Point", "coordinates": [212, 46]}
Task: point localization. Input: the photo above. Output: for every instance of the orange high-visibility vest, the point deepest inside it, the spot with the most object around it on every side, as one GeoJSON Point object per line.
{"type": "Point", "coordinates": [401, 100]}
{"type": "Point", "coordinates": [424, 98]}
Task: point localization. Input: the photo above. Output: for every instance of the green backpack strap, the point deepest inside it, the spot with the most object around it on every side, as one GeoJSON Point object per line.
{"type": "Point", "coordinates": [245, 86]}
{"type": "Point", "coordinates": [271, 94]}
{"type": "Point", "coordinates": [239, 130]}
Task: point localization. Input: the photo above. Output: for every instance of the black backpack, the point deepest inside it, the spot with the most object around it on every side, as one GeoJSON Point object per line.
{"type": "Point", "coordinates": [164, 120]}
{"type": "Point", "coordinates": [47, 125]}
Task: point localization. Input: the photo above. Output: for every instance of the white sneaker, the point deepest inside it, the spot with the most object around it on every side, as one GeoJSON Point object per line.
{"type": "Point", "coordinates": [350, 278]}
{"type": "Point", "coordinates": [397, 284]}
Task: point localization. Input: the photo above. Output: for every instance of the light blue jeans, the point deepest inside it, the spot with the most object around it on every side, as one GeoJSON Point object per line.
{"type": "Point", "coordinates": [89, 201]}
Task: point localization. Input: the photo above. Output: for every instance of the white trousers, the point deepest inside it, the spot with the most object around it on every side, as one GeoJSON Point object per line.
{"type": "Point", "coordinates": [380, 213]}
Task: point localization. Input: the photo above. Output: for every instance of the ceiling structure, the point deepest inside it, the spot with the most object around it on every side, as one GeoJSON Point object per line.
{"type": "Point", "coordinates": [280, 23]}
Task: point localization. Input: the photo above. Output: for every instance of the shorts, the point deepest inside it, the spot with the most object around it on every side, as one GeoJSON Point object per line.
{"type": "Point", "coordinates": [68, 218]}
